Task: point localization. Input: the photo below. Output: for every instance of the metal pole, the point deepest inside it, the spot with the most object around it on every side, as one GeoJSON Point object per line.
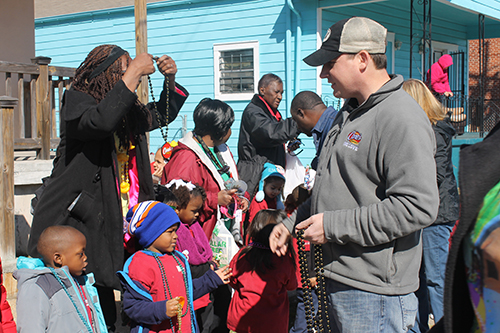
{"type": "Point", "coordinates": [429, 19]}
{"type": "Point", "coordinates": [411, 37]}
{"type": "Point", "coordinates": [482, 61]}
{"type": "Point", "coordinates": [424, 36]}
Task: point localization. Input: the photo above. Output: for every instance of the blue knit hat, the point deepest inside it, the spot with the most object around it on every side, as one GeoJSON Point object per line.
{"type": "Point", "coordinates": [269, 170]}
{"type": "Point", "coordinates": [149, 219]}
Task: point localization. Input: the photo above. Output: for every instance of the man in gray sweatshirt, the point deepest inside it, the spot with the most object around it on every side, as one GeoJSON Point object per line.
{"type": "Point", "coordinates": [375, 186]}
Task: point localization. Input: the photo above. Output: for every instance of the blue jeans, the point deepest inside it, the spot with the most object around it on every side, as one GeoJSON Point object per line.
{"type": "Point", "coordinates": [357, 311]}
{"type": "Point", "coordinates": [300, 324]}
{"type": "Point", "coordinates": [435, 242]}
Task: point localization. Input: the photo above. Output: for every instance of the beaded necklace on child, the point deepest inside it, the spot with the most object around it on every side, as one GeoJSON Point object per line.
{"type": "Point", "coordinates": [82, 318]}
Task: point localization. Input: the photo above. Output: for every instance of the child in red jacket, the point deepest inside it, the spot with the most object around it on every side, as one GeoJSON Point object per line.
{"type": "Point", "coordinates": [268, 195]}
{"type": "Point", "coordinates": [158, 288]}
{"type": "Point", "coordinates": [261, 280]}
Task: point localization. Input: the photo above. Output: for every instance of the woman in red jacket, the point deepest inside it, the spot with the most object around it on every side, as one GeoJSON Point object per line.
{"type": "Point", "coordinates": [203, 158]}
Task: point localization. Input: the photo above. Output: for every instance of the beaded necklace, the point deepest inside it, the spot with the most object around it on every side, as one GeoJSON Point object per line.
{"type": "Point", "coordinates": [123, 152]}
{"type": "Point", "coordinates": [123, 159]}
{"type": "Point", "coordinates": [168, 293]}
{"type": "Point", "coordinates": [314, 323]}
{"type": "Point", "coordinates": [259, 245]}
{"type": "Point", "coordinates": [85, 322]}
{"type": "Point", "coordinates": [219, 162]}
{"type": "Point", "coordinates": [163, 133]}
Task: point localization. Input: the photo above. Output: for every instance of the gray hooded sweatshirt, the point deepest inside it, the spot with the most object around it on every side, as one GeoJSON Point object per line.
{"type": "Point", "coordinates": [376, 185]}
{"type": "Point", "coordinates": [44, 306]}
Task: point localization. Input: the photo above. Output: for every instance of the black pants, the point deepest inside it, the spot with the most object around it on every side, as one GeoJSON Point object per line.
{"type": "Point", "coordinates": [213, 317]}
{"type": "Point", "coordinates": [108, 305]}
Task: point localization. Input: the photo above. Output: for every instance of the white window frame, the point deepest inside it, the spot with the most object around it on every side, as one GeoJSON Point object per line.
{"type": "Point", "coordinates": [439, 46]}
{"type": "Point", "coordinates": [391, 37]}
{"type": "Point", "coordinates": [235, 46]}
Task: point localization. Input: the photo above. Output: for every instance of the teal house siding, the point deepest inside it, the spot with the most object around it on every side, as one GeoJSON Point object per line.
{"type": "Point", "coordinates": [188, 31]}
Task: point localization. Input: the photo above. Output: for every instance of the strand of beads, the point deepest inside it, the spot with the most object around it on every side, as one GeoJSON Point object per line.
{"type": "Point", "coordinates": [124, 181]}
{"type": "Point", "coordinates": [168, 293]}
{"type": "Point", "coordinates": [82, 318]}
{"type": "Point", "coordinates": [164, 133]}
{"type": "Point", "coordinates": [179, 315]}
{"type": "Point", "coordinates": [322, 316]}
{"type": "Point", "coordinates": [306, 286]}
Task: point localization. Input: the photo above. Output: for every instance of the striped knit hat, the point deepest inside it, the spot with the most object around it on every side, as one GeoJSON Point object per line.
{"type": "Point", "coordinates": [149, 219]}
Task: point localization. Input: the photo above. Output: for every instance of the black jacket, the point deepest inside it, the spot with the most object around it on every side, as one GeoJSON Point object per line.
{"type": "Point", "coordinates": [82, 189]}
{"type": "Point", "coordinates": [261, 139]}
{"type": "Point", "coordinates": [479, 172]}
{"type": "Point", "coordinates": [447, 184]}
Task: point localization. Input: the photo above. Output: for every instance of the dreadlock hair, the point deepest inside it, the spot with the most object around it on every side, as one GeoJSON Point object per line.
{"type": "Point", "coordinates": [184, 195]}
{"type": "Point", "coordinates": [259, 254]}
{"type": "Point", "coordinates": [136, 121]}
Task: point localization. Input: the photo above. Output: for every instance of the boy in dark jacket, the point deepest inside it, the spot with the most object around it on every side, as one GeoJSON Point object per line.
{"type": "Point", "coordinates": [158, 289]}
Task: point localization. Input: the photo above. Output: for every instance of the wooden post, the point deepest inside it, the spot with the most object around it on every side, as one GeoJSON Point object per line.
{"type": "Point", "coordinates": [43, 106]}
{"type": "Point", "coordinates": [141, 43]}
{"type": "Point", "coordinates": [7, 224]}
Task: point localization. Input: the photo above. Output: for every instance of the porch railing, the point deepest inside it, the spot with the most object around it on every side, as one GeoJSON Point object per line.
{"type": "Point", "coordinates": [473, 115]}
{"type": "Point", "coordinates": [40, 89]}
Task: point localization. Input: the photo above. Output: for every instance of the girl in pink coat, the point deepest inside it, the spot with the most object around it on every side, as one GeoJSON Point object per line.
{"type": "Point", "coordinates": [439, 76]}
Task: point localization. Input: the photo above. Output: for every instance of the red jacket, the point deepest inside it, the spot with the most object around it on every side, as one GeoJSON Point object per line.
{"type": "Point", "coordinates": [260, 301]}
{"type": "Point", "coordinates": [188, 162]}
{"type": "Point", "coordinates": [256, 206]}
{"type": "Point", "coordinates": [7, 324]}
{"type": "Point", "coordinates": [184, 164]}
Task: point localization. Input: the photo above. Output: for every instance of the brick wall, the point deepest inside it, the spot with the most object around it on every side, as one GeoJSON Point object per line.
{"type": "Point", "coordinates": [492, 68]}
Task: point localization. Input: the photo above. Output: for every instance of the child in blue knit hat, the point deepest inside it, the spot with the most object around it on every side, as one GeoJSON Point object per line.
{"type": "Point", "coordinates": [158, 289]}
{"type": "Point", "coordinates": [270, 190]}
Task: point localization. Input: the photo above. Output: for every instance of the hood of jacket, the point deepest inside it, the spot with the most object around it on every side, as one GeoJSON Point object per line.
{"type": "Point", "coordinates": [32, 268]}
{"type": "Point", "coordinates": [444, 126]}
{"type": "Point", "coordinates": [445, 61]}
{"type": "Point", "coordinates": [377, 97]}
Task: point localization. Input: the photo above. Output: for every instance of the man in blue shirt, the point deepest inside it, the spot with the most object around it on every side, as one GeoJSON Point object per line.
{"type": "Point", "coordinates": [313, 118]}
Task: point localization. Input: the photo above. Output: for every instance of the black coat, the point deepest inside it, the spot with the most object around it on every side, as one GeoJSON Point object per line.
{"type": "Point", "coordinates": [261, 140]}
{"type": "Point", "coordinates": [82, 189]}
{"type": "Point", "coordinates": [479, 172]}
{"type": "Point", "coordinates": [447, 184]}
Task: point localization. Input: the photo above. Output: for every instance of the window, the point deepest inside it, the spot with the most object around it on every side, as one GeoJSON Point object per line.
{"type": "Point", "coordinates": [236, 70]}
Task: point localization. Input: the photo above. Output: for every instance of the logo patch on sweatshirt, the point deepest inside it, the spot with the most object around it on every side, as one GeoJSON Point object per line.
{"type": "Point", "coordinates": [353, 140]}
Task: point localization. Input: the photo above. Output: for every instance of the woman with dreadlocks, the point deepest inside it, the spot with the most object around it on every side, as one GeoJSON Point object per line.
{"type": "Point", "coordinates": [102, 162]}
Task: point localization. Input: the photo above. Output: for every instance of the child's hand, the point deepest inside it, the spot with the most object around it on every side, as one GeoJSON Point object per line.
{"type": "Point", "coordinates": [172, 307]}
{"type": "Point", "coordinates": [224, 274]}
